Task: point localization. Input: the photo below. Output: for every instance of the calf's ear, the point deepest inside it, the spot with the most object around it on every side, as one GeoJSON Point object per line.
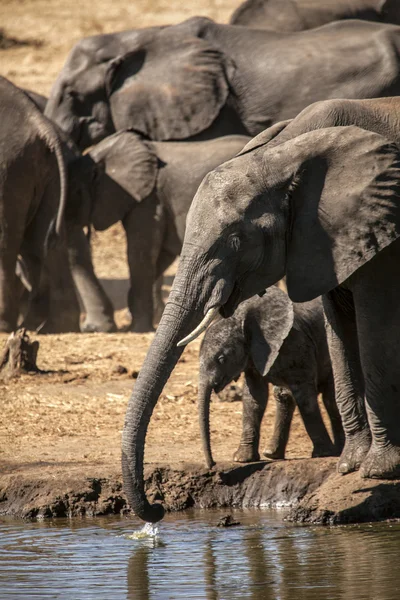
{"type": "Point", "coordinates": [266, 325]}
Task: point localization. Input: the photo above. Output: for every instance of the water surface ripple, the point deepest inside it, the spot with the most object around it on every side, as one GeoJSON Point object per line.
{"type": "Point", "coordinates": [191, 558]}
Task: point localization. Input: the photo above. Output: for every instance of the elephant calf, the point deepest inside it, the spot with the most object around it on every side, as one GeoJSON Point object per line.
{"type": "Point", "coordinates": [273, 341]}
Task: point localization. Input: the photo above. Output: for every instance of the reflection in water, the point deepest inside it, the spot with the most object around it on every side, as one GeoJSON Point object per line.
{"type": "Point", "coordinates": [138, 575]}
{"type": "Point", "coordinates": [263, 559]}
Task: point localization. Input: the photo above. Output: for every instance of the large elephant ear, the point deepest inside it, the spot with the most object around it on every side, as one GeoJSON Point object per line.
{"type": "Point", "coordinates": [266, 326]}
{"type": "Point", "coordinates": [127, 172]}
{"type": "Point", "coordinates": [345, 205]}
{"type": "Point", "coordinates": [171, 88]}
{"type": "Point", "coordinates": [265, 136]}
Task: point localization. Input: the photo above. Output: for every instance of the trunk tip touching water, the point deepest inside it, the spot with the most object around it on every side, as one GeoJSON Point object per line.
{"type": "Point", "coordinates": [152, 513]}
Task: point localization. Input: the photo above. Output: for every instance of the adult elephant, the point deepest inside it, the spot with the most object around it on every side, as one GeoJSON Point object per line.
{"type": "Point", "coordinates": [33, 193]}
{"type": "Point", "coordinates": [324, 210]}
{"type": "Point", "coordinates": [199, 79]}
{"type": "Point", "coordinates": [298, 15]}
{"type": "Point", "coordinates": [149, 187]}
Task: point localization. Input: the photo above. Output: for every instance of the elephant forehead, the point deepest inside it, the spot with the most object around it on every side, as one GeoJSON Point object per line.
{"type": "Point", "coordinates": [236, 182]}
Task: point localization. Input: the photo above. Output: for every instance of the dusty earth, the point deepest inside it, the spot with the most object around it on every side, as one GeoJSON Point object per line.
{"type": "Point", "coordinates": [60, 429]}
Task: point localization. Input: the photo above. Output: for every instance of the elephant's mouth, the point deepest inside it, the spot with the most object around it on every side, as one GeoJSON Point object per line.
{"type": "Point", "coordinates": [227, 309]}
{"type": "Point", "coordinates": [221, 385]}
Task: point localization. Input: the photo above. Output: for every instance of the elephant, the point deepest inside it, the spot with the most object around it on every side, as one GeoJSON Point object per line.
{"type": "Point", "coordinates": [148, 186]}
{"type": "Point", "coordinates": [321, 209]}
{"type": "Point", "coordinates": [272, 340]}
{"type": "Point", "coordinates": [299, 15]}
{"type": "Point", "coordinates": [224, 79]}
{"type": "Point", "coordinates": [33, 195]}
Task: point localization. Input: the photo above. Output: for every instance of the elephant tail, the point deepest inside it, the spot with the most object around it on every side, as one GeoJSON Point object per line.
{"type": "Point", "coordinates": [48, 133]}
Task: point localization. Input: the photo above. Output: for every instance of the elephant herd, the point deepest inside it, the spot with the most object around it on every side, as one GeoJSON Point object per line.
{"type": "Point", "coordinates": [265, 149]}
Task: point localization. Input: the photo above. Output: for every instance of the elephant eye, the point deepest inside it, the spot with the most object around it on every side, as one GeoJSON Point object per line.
{"type": "Point", "coordinates": [221, 359]}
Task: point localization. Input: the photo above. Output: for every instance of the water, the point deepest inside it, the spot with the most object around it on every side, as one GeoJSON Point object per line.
{"type": "Point", "coordinates": [191, 558]}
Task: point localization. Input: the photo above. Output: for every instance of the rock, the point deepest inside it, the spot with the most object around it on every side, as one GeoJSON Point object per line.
{"type": "Point", "coordinates": [227, 521]}
{"type": "Point", "coordinates": [119, 370]}
{"type": "Point", "coordinates": [19, 355]}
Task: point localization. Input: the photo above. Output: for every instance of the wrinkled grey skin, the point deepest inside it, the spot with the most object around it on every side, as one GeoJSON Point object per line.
{"type": "Point", "coordinates": [287, 342]}
{"type": "Point", "coordinates": [322, 209]}
{"type": "Point", "coordinates": [298, 15]}
{"type": "Point", "coordinates": [200, 79]}
{"type": "Point", "coordinates": [262, 75]}
{"type": "Point", "coordinates": [149, 187]}
{"type": "Point", "coordinates": [78, 100]}
{"type": "Point", "coordinates": [33, 195]}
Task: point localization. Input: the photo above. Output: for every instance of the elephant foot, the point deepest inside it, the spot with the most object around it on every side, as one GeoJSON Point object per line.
{"type": "Point", "coordinates": [246, 454]}
{"type": "Point", "coordinates": [103, 327]}
{"type": "Point", "coordinates": [275, 454]}
{"type": "Point", "coordinates": [381, 463]}
{"type": "Point", "coordinates": [354, 452]}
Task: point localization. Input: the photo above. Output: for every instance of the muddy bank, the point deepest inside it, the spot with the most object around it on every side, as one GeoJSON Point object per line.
{"type": "Point", "coordinates": [315, 493]}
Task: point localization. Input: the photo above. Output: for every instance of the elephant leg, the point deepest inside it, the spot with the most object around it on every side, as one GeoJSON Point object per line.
{"type": "Point", "coordinates": [144, 239]}
{"type": "Point", "coordinates": [306, 397]}
{"type": "Point", "coordinates": [378, 321]}
{"type": "Point", "coordinates": [95, 302]}
{"type": "Point", "coordinates": [64, 310]}
{"type": "Point", "coordinates": [13, 217]}
{"type": "Point", "coordinates": [348, 377]}
{"type": "Point", "coordinates": [328, 397]}
{"type": "Point", "coordinates": [255, 398]}
{"type": "Point", "coordinates": [9, 291]}
{"type": "Point", "coordinates": [37, 300]}
{"type": "Point", "coordinates": [285, 406]}
{"type": "Point", "coordinates": [165, 260]}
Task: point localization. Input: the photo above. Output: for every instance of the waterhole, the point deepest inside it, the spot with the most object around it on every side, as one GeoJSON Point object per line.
{"type": "Point", "coordinates": [191, 557]}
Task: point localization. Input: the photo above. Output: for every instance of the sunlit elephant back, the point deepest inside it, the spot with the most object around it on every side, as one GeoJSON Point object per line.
{"type": "Point", "coordinates": [298, 15]}
{"type": "Point", "coordinates": [200, 80]}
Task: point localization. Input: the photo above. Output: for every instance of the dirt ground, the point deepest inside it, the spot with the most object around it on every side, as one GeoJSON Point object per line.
{"type": "Point", "coordinates": [60, 430]}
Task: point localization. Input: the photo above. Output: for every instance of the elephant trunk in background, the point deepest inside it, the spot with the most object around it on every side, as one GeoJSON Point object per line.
{"type": "Point", "coordinates": [183, 312]}
{"type": "Point", "coordinates": [205, 391]}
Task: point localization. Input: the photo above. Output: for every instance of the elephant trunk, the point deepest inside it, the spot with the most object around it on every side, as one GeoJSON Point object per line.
{"type": "Point", "coordinates": [205, 390]}
{"type": "Point", "coordinates": [182, 312]}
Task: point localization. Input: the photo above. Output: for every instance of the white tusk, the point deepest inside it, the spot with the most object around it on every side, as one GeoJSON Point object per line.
{"type": "Point", "coordinates": [211, 315]}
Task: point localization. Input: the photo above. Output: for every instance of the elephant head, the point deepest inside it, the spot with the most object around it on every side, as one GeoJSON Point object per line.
{"type": "Point", "coordinates": [78, 100]}
{"type": "Point", "coordinates": [315, 208]}
{"type": "Point", "coordinates": [172, 86]}
{"type": "Point", "coordinates": [255, 333]}
{"type": "Point", "coordinates": [106, 183]}
{"type": "Point", "coordinates": [126, 173]}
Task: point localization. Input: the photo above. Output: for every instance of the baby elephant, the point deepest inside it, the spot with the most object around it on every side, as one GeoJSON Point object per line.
{"type": "Point", "coordinates": [273, 341]}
